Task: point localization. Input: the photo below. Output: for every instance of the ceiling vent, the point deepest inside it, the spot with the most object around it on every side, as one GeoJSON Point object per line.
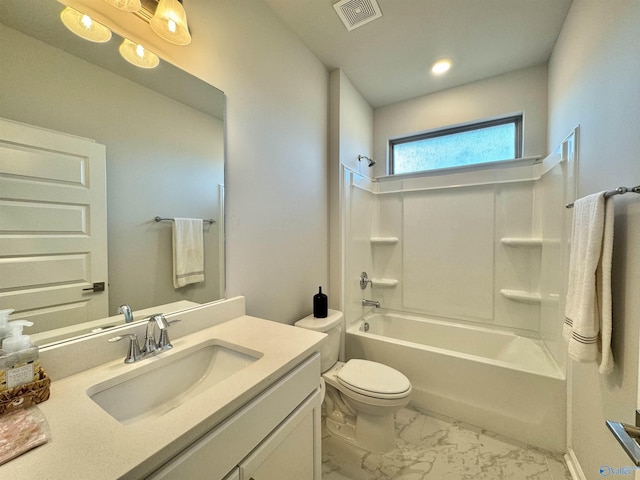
{"type": "Point", "coordinates": [355, 13]}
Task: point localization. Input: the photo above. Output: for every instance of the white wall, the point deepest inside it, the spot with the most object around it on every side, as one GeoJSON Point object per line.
{"type": "Point", "coordinates": [594, 75]}
{"type": "Point", "coordinates": [522, 91]}
{"type": "Point", "coordinates": [277, 245]}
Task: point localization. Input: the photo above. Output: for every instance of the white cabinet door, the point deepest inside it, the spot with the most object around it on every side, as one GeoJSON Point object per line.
{"type": "Point", "coordinates": [53, 226]}
{"type": "Point", "coordinates": [235, 475]}
{"type": "Point", "coordinates": [292, 451]}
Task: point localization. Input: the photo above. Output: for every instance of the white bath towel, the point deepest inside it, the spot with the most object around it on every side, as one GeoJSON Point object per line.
{"type": "Point", "coordinates": [188, 251]}
{"type": "Point", "coordinates": [587, 325]}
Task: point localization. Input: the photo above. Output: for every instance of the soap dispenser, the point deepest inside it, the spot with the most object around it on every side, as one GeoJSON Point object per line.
{"type": "Point", "coordinates": [320, 304]}
{"type": "Point", "coordinates": [20, 361]}
{"type": "Point", "coordinates": [4, 323]}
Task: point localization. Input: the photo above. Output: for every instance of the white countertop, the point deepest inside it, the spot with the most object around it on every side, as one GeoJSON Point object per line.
{"type": "Point", "coordinates": [87, 443]}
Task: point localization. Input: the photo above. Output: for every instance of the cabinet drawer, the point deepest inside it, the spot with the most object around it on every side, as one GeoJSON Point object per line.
{"type": "Point", "coordinates": [224, 447]}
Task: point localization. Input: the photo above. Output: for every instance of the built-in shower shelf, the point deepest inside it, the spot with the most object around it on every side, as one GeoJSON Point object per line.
{"type": "Point", "coordinates": [521, 241]}
{"type": "Point", "coordinates": [384, 240]}
{"type": "Point", "coordinates": [384, 282]}
{"type": "Point", "coordinates": [521, 296]}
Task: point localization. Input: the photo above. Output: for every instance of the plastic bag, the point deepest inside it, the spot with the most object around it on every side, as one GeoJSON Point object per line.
{"type": "Point", "coordinates": [20, 431]}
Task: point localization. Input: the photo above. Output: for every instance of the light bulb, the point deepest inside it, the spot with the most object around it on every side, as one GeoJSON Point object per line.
{"type": "Point", "coordinates": [86, 22]}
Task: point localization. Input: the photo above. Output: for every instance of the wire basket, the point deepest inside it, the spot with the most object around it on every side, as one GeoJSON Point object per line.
{"type": "Point", "coordinates": [25, 396]}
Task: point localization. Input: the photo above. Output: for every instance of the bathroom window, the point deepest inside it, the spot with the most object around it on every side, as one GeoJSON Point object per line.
{"type": "Point", "coordinates": [482, 142]}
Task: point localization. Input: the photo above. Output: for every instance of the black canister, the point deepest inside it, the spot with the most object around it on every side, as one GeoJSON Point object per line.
{"type": "Point", "coordinates": [320, 304]}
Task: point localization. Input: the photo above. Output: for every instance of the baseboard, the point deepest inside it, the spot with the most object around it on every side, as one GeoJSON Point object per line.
{"type": "Point", "coordinates": [574, 465]}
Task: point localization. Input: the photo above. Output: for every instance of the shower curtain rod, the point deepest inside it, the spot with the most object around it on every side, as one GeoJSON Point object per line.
{"type": "Point", "coordinates": [617, 191]}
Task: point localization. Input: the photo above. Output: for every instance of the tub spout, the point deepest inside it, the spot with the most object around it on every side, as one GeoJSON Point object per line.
{"type": "Point", "coordinates": [370, 303]}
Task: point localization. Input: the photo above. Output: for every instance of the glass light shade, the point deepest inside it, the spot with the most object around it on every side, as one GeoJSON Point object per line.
{"type": "Point", "coordinates": [84, 26]}
{"type": "Point", "coordinates": [137, 55]}
{"type": "Point", "coordinates": [126, 5]}
{"type": "Point", "coordinates": [170, 22]}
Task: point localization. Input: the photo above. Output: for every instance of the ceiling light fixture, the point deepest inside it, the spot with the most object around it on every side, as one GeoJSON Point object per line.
{"type": "Point", "coordinates": [441, 66]}
{"type": "Point", "coordinates": [84, 26]}
{"type": "Point", "coordinates": [170, 22]}
{"type": "Point", "coordinates": [167, 19]}
{"type": "Point", "coordinates": [126, 5]}
{"type": "Point", "coordinates": [137, 55]}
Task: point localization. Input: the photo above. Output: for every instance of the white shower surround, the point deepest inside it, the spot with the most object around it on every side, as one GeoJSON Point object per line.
{"type": "Point", "coordinates": [501, 389]}
{"type": "Point", "coordinates": [497, 380]}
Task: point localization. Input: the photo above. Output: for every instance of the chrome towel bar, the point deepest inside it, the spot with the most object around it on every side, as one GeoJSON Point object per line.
{"type": "Point", "coordinates": [617, 191]}
{"type": "Point", "coordinates": [161, 219]}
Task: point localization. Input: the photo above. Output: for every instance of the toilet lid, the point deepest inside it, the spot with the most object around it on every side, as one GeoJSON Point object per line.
{"type": "Point", "coordinates": [373, 379]}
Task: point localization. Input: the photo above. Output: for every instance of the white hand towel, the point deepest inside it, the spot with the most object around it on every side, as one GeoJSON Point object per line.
{"type": "Point", "coordinates": [188, 251]}
{"type": "Point", "coordinates": [587, 325]}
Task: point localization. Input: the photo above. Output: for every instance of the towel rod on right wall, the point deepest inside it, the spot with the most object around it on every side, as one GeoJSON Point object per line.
{"type": "Point", "coordinates": [617, 191]}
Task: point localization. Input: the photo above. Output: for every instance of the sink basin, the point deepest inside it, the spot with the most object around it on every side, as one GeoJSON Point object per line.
{"type": "Point", "coordinates": [161, 384]}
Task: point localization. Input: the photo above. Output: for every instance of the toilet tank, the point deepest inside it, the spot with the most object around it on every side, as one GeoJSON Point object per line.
{"type": "Point", "coordinates": [332, 326]}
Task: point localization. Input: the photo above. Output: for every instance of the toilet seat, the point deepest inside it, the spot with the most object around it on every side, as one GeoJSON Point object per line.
{"type": "Point", "coordinates": [373, 379]}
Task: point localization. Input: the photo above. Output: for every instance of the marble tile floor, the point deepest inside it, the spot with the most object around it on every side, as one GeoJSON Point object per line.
{"type": "Point", "coordinates": [431, 447]}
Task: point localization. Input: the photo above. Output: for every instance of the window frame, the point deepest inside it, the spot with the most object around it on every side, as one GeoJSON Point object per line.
{"type": "Point", "coordinates": [517, 120]}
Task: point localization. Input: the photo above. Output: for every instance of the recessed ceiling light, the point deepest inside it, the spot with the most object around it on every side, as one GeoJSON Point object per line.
{"type": "Point", "coordinates": [441, 66]}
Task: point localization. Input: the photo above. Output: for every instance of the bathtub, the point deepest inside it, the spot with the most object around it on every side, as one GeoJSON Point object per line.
{"type": "Point", "coordinates": [494, 379]}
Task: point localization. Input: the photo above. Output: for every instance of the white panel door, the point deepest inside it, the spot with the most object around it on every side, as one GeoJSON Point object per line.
{"type": "Point", "coordinates": [53, 227]}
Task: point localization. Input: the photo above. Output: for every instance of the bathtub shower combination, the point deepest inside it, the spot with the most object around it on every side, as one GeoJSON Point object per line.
{"type": "Point", "coordinates": [497, 380]}
{"type": "Point", "coordinates": [468, 269]}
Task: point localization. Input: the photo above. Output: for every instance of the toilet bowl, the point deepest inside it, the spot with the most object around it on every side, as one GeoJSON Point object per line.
{"type": "Point", "coordinates": [361, 396]}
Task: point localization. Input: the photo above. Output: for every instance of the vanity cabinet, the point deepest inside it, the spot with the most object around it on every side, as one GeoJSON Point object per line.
{"type": "Point", "coordinates": [288, 452]}
{"type": "Point", "coordinates": [235, 475]}
{"type": "Point", "coordinates": [274, 436]}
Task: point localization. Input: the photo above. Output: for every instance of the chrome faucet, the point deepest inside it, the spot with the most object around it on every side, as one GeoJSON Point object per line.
{"type": "Point", "coordinates": [163, 342]}
{"type": "Point", "coordinates": [127, 312]}
{"type": "Point", "coordinates": [133, 353]}
{"type": "Point", "coordinates": [370, 303]}
{"type": "Point", "coordinates": [150, 347]}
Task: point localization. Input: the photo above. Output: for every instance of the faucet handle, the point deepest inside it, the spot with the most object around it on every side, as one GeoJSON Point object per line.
{"type": "Point", "coordinates": [150, 345]}
{"type": "Point", "coordinates": [160, 320]}
{"type": "Point", "coordinates": [163, 342]}
{"type": "Point", "coordinates": [364, 280]}
{"type": "Point", "coordinates": [133, 353]}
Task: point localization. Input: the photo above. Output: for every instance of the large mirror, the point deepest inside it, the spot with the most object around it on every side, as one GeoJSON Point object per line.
{"type": "Point", "coordinates": [163, 132]}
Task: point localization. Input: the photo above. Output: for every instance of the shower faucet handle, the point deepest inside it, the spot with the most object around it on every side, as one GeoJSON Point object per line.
{"type": "Point", "coordinates": [364, 280]}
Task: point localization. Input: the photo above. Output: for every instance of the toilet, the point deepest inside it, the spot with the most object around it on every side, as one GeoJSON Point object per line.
{"type": "Point", "coordinates": [361, 396]}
